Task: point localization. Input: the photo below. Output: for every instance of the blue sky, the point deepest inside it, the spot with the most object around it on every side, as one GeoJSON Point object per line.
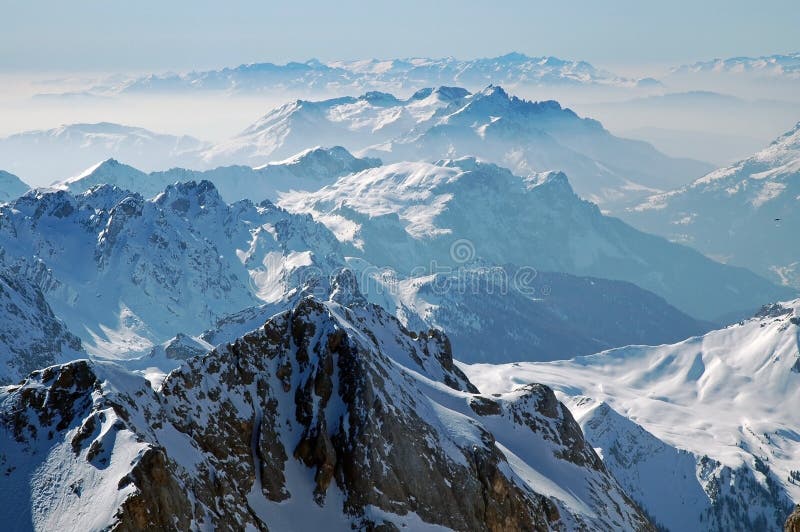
{"type": "Point", "coordinates": [145, 35]}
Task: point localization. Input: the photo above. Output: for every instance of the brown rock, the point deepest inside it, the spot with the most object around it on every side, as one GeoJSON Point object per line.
{"type": "Point", "coordinates": [793, 523]}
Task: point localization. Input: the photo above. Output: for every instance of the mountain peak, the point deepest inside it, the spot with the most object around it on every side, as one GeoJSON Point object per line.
{"type": "Point", "coordinates": [494, 103]}
{"type": "Point", "coordinates": [322, 163]}
{"type": "Point", "coordinates": [345, 290]}
{"type": "Point", "coordinates": [107, 171]}
{"type": "Point", "coordinates": [495, 91]}
{"type": "Point", "coordinates": [379, 98]}
{"type": "Point", "coordinates": [11, 186]}
{"type": "Point", "coordinates": [322, 410]}
{"type": "Point", "coordinates": [791, 138]}
{"type": "Point", "coordinates": [472, 164]}
{"type": "Point", "coordinates": [103, 169]}
{"type": "Point", "coordinates": [191, 197]}
{"type": "Point", "coordinates": [514, 57]}
{"type": "Point", "coordinates": [445, 93]}
{"type": "Point", "coordinates": [549, 179]}
{"type": "Point", "coordinates": [557, 182]}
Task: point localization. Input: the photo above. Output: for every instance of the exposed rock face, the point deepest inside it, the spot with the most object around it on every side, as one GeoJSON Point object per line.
{"type": "Point", "coordinates": [555, 316]}
{"type": "Point", "coordinates": [181, 347]}
{"type": "Point", "coordinates": [31, 336]}
{"type": "Point", "coordinates": [712, 496]}
{"type": "Point", "coordinates": [126, 273]}
{"type": "Point", "coordinates": [701, 434]}
{"type": "Point", "coordinates": [793, 523]}
{"type": "Point", "coordinates": [407, 216]}
{"type": "Point", "coordinates": [325, 416]}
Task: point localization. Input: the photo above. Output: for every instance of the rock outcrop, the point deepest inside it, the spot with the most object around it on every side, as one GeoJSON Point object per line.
{"type": "Point", "coordinates": [793, 523]}
{"type": "Point", "coordinates": [327, 415]}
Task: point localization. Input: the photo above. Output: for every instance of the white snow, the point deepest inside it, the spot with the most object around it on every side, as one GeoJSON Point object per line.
{"type": "Point", "coordinates": [729, 394]}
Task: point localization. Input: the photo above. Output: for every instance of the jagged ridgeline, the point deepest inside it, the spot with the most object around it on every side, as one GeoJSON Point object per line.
{"type": "Point", "coordinates": [330, 415]}
{"type": "Point", "coordinates": [126, 273]}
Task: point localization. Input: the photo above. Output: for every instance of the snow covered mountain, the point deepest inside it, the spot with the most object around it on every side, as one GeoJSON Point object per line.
{"type": "Point", "coordinates": [513, 69]}
{"type": "Point", "coordinates": [11, 187]}
{"type": "Point", "coordinates": [487, 320]}
{"type": "Point", "coordinates": [703, 433]}
{"type": "Point", "coordinates": [414, 217]}
{"type": "Point", "coordinates": [325, 417]}
{"type": "Point", "coordinates": [44, 156]}
{"type": "Point", "coordinates": [31, 336]}
{"type": "Point", "coordinates": [490, 316]}
{"type": "Point", "coordinates": [310, 169]}
{"type": "Point", "coordinates": [747, 214]}
{"type": "Point", "coordinates": [126, 273]}
{"type": "Point", "coordinates": [778, 65]}
{"type": "Point", "coordinates": [451, 122]}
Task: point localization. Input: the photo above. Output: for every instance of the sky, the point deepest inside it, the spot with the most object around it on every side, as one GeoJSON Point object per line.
{"type": "Point", "coordinates": [147, 35]}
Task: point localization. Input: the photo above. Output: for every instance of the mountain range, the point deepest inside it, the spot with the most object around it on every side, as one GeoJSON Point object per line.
{"type": "Point", "coordinates": [45, 156]}
{"type": "Point", "coordinates": [414, 217]}
{"type": "Point", "coordinates": [762, 191]}
{"type": "Point", "coordinates": [432, 124]}
{"type": "Point", "coordinates": [358, 205]}
{"type": "Point", "coordinates": [326, 415]}
{"type": "Point", "coordinates": [777, 65]}
{"type": "Point", "coordinates": [309, 169]}
{"type": "Point", "coordinates": [514, 69]}
{"type": "Point", "coordinates": [127, 274]}
{"type": "Point", "coordinates": [449, 122]}
{"type": "Point", "coordinates": [409, 74]}
{"type": "Point", "coordinates": [411, 309]}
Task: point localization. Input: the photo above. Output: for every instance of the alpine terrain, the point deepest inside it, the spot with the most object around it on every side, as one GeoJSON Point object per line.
{"type": "Point", "coordinates": [762, 191]}
{"type": "Point", "coordinates": [327, 415]}
{"type": "Point", "coordinates": [701, 433]}
{"type": "Point", "coordinates": [449, 122]}
{"type": "Point", "coordinates": [391, 289]}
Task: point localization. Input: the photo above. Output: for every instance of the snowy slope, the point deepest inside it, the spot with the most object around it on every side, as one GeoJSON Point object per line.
{"type": "Point", "coordinates": [126, 273]}
{"type": "Point", "coordinates": [11, 187]}
{"type": "Point", "coordinates": [309, 169]}
{"type": "Point", "coordinates": [717, 415]}
{"type": "Point", "coordinates": [552, 316]}
{"type": "Point", "coordinates": [414, 217]}
{"type": "Point", "coordinates": [556, 316]}
{"type": "Point", "coordinates": [764, 193]}
{"type": "Point", "coordinates": [44, 156]}
{"type": "Point", "coordinates": [115, 173]}
{"type": "Point", "coordinates": [327, 416]}
{"type": "Point", "coordinates": [451, 122]}
{"type": "Point", "coordinates": [31, 336]}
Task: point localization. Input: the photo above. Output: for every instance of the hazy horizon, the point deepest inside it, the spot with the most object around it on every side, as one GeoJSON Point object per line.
{"type": "Point", "coordinates": [77, 47]}
{"type": "Point", "coordinates": [184, 35]}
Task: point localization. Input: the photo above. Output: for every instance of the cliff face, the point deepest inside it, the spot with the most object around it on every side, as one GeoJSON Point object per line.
{"type": "Point", "coordinates": [793, 523]}
{"type": "Point", "coordinates": [326, 416]}
{"type": "Point", "coordinates": [31, 335]}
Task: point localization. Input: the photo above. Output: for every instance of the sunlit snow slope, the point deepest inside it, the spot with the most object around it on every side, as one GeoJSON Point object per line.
{"type": "Point", "coordinates": [728, 398]}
